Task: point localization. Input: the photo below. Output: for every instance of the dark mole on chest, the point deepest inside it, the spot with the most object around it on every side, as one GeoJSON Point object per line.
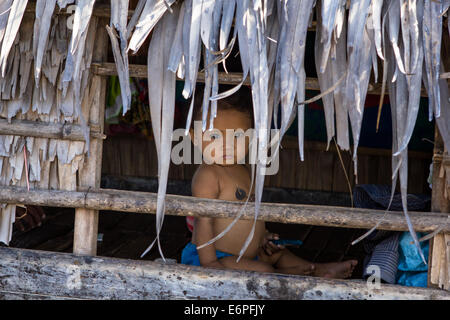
{"type": "Point", "coordinates": [241, 194]}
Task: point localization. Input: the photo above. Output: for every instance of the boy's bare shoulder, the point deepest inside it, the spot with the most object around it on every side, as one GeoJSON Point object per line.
{"type": "Point", "coordinates": [205, 182]}
{"type": "Point", "coordinates": [205, 170]}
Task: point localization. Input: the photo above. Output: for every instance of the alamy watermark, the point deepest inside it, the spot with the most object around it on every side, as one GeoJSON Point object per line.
{"type": "Point", "coordinates": [374, 280]}
{"type": "Point", "coordinates": [71, 11]}
{"type": "Point", "coordinates": [211, 146]}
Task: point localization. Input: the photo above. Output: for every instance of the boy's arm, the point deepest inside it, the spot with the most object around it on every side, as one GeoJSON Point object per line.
{"type": "Point", "coordinates": [205, 184]}
{"type": "Point", "coordinates": [204, 233]}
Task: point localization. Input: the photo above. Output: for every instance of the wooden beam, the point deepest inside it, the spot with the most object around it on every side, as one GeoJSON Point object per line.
{"type": "Point", "coordinates": [290, 142]}
{"type": "Point", "coordinates": [86, 220]}
{"type": "Point", "coordinates": [104, 11]}
{"type": "Point", "coordinates": [438, 201]}
{"type": "Point", "coordinates": [439, 256]}
{"type": "Point", "coordinates": [100, 10]}
{"type": "Point", "coordinates": [140, 71]}
{"type": "Point", "coordinates": [65, 131]}
{"type": "Point", "coordinates": [145, 202]}
{"type": "Point", "coordinates": [37, 274]}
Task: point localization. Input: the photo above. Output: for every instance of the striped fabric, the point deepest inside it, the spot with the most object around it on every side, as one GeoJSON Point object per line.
{"type": "Point", "coordinates": [384, 255]}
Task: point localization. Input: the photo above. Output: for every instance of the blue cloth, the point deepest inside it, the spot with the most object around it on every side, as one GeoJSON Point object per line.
{"type": "Point", "coordinates": [412, 271]}
{"type": "Point", "coordinates": [190, 255]}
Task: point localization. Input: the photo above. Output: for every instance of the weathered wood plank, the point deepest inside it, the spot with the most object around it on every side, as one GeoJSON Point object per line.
{"type": "Point", "coordinates": [36, 274]}
{"type": "Point", "coordinates": [65, 131]}
{"type": "Point", "coordinates": [145, 202]}
{"type": "Point", "coordinates": [9, 295]}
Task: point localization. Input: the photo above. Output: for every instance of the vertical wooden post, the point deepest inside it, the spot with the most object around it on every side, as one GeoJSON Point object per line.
{"type": "Point", "coordinates": [438, 266]}
{"type": "Point", "coordinates": [438, 201]}
{"type": "Point", "coordinates": [86, 221]}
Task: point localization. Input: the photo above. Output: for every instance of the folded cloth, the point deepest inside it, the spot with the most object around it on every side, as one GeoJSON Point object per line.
{"type": "Point", "coordinates": [411, 269]}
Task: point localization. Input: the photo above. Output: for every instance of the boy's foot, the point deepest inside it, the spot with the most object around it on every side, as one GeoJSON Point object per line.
{"type": "Point", "coordinates": [337, 270]}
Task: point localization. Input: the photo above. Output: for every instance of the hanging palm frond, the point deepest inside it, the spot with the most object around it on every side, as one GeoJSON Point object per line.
{"type": "Point", "coordinates": [33, 89]}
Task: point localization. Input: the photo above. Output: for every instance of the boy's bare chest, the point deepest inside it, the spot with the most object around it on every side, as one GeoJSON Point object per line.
{"type": "Point", "coordinates": [235, 184]}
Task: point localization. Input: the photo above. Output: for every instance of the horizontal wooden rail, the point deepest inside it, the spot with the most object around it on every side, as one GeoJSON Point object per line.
{"type": "Point", "coordinates": [30, 274]}
{"type": "Point", "coordinates": [100, 10]}
{"type": "Point", "coordinates": [47, 130]}
{"type": "Point", "coordinates": [145, 202]}
{"type": "Point", "coordinates": [140, 71]}
{"type": "Point", "coordinates": [104, 11]}
{"type": "Point", "coordinates": [291, 142]}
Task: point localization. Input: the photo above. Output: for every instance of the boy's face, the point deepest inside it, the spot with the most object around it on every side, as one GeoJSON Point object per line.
{"type": "Point", "coordinates": [226, 144]}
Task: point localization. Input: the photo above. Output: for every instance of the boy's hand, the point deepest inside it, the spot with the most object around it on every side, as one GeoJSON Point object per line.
{"type": "Point", "coordinates": [268, 246]}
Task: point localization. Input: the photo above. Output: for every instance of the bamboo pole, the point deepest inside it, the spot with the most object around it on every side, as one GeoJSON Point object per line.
{"type": "Point", "coordinates": [84, 277]}
{"type": "Point", "coordinates": [65, 131]}
{"type": "Point", "coordinates": [140, 71]}
{"type": "Point", "coordinates": [104, 11]}
{"type": "Point", "coordinates": [290, 142]}
{"type": "Point", "coordinates": [439, 254]}
{"type": "Point", "coordinates": [100, 11]}
{"type": "Point", "coordinates": [145, 202]}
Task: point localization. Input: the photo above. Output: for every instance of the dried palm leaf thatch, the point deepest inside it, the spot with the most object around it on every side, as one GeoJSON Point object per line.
{"type": "Point", "coordinates": [63, 3]}
{"type": "Point", "coordinates": [44, 12]}
{"type": "Point", "coordinates": [5, 8]}
{"type": "Point", "coordinates": [331, 62]}
{"type": "Point", "coordinates": [41, 46]}
{"type": "Point", "coordinates": [162, 104]}
{"type": "Point", "coordinates": [14, 15]}
{"type": "Point", "coordinates": [77, 62]}
{"type": "Point", "coordinates": [119, 17]}
{"type": "Point", "coordinates": [271, 35]}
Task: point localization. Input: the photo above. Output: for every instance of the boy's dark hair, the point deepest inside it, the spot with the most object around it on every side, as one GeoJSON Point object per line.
{"type": "Point", "coordinates": [240, 101]}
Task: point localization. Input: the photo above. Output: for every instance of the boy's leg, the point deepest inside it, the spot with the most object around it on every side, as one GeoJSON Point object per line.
{"type": "Point", "coordinates": [246, 264]}
{"type": "Point", "coordinates": [285, 261]}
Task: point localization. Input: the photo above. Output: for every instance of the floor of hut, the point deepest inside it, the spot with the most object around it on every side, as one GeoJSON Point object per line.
{"type": "Point", "coordinates": [127, 235]}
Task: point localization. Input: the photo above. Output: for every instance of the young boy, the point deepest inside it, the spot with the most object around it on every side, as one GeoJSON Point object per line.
{"type": "Point", "coordinates": [229, 180]}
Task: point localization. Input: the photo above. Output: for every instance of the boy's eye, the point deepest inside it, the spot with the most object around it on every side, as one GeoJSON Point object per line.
{"type": "Point", "coordinates": [238, 134]}
{"type": "Point", "coordinates": [214, 136]}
